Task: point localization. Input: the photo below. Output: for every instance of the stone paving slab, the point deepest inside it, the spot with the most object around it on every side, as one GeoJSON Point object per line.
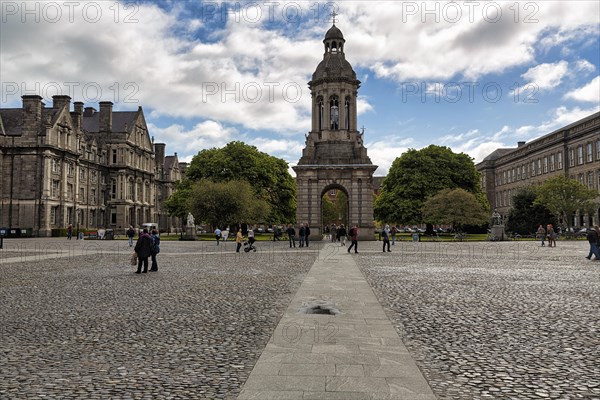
{"type": "Point", "coordinates": [355, 354]}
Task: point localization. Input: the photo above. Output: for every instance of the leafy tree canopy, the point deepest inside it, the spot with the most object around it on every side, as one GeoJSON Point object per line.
{"type": "Point", "coordinates": [226, 203]}
{"type": "Point", "coordinates": [268, 176]}
{"type": "Point", "coordinates": [564, 197]}
{"type": "Point", "coordinates": [419, 174]}
{"type": "Point", "coordinates": [524, 217]}
{"type": "Point", "coordinates": [456, 207]}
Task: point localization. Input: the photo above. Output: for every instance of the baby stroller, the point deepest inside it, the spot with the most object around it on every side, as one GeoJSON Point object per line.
{"type": "Point", "coordinates": [249, 245]}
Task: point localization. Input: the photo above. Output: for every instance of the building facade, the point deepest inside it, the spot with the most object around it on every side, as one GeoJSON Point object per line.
{"type": "Point", "coordinates": [334, 156]}
{"type": "Point", "coordinates": [92, 169]}
{"type": "Point", "coordinates": [572, 151]}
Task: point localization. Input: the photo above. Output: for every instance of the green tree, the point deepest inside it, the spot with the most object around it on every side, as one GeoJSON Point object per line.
{"type": "Point", "coordinates": [419, 174]}
{"type": "Point", "coordinates": [268, 175]}
{"type": "Point", "coordinates": [456, 207]}
{"type": "Point", "coordinates": [328, 209]}
{"type": "Point", "coordinates": [226, 203]}
{"type": "Point", "coordinates": [564, 197]}
{"type": "Point", "coordinates": [177, 204]}
{"type": "Point", "coordinates": [524, 217]}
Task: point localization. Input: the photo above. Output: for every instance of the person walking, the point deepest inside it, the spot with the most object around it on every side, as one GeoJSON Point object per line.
{"type": "Point", "coordinates": [251, 238]}
{"type": "Point", "coordinates": [69, 231]}
{"type": "Point", "coordinates": [143, 248]}
{"type": "Point", "coordinates": [393, 232]}
{"type": "Point", "coordinates": [541, 234]}
{"type": "Point", "coordinates": [551, 236]}
{"type": "Point", "coordinates": [218, 235]}
{"type": "Point", "coordinates": [130, 235]}
{"type": "Point", "coordinates": [225, 234]}
{"type": "Point", "coordinates": [354, 238]}
{"type": "Point", "coordinates": [291, 235]}
{"type": "Point", "coordinates": [306, 234]}
{"type": "Point", "coordinates": [238, 240]}
{"type": "Point", "coordinates": [302, 234]}
{"type": "Point", "coordinates": [341, 234]}
{"type": "Point", "coordinates": [592, 237]}
{"type": "Point", "coordinates": [334, 236]}
{"type": "Point", "coordinates": [327, 233]}
{"type": "Point", "coordinates": [386, 238]}
{"type": "Point", "coordinates": [155, 249]}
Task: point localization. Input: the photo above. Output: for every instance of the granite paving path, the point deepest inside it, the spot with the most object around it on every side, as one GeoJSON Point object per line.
{"type": "Point", "coordinates": [350, 354]}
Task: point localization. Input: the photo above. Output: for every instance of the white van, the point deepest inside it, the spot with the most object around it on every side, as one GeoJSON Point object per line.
{"type": "Point", "coordinates": [150, 226]}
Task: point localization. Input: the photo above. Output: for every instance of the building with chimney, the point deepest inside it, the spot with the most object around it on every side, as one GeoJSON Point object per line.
{"type": "Point", "coordinates": [92, 169]}
{"type": "Point", "coordinates": [572, 151]}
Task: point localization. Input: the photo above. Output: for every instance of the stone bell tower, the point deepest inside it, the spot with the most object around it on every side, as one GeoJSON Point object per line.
{"type": "Point", "coordinates": [334, 156]}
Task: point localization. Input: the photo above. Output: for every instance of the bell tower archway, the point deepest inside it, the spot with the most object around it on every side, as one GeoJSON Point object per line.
{"type": "Point", "coordinates": [334, 155]}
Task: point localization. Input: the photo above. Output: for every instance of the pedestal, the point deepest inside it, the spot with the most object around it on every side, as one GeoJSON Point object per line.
{"type": "Point", "coordinates": [498, 231]}
{"type": "Point", "coordinates": [190, 233]}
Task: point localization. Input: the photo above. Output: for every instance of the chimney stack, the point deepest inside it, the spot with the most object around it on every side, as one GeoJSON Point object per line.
{"type": "Point", "coordinates": [159, 153]}
{"type": "Point", "coordinates": [77, 114]}
{"type": "Point", "coordinates": [519, 144]}
{"type": "Point", "coordinates": [59, 101]}
{"type": "Point", "coordinates": [32, 113]}
{"type": "Point", "coordinates": [105, 122]}
{"type": "Point", "coordinates": [89, 111]}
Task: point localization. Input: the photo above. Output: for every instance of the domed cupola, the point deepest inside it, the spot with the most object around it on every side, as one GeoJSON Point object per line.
{"type": "Point", "coordinates": [334, 64]}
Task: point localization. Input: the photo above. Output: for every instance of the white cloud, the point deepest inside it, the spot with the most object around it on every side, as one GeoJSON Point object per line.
{"type": "Point", "coordinates": [584, 66]}
{"type": "Point", "coordinates": [362, 105]}
{"type": "Point", "coordinates": [547, 75]}
{"type": "Point", "coordinates": [587, 93]}
{"type": "Point", "coordinates": [384, 152]}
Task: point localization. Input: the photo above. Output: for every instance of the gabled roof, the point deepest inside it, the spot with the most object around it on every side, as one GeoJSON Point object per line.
{"type": "Point", "coordinates": [12, 120]}
{"type": "Point", "coordinates": [170, 161]}
{"type": "Point", "coordinates": [497, 154]}
{"type": "Point", "coordinates": [122, 121]}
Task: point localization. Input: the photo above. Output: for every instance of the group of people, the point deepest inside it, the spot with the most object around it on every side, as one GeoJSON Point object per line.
{"type": "Point", "coordinates": [547, 234]}
{"type": "Point", "coordinates": [340, 234]}
{"type": "Point", "coordinates": [303, 235]}
{"type": "Point", "coordinates": [147, 245]}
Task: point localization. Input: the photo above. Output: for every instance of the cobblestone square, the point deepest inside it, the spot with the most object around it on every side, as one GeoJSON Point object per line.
{"type": "Point", "coordinates": [506, 320]}
{"type": "Point", "coordinates": [503, 320]}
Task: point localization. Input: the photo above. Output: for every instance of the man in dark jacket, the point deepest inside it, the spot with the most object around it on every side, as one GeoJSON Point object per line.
{"type": "Point", "coordinates": [306, 234]}
{"type": "Point", "coordinates": [143, 248]}
{"type": "Point", "coordinates": [592, 237]}
{"type": "Point", "coordinates": [291, 235]}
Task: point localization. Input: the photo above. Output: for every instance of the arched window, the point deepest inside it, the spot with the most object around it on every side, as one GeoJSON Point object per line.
{"type": "Point", "coordinates": [347, 113]}
{"type": "Point", "coordinates": [334, 47]}
{"type": "Point", "coordinates": [321, 112]}
{"type": "Point", "coordinates": [334, 113]}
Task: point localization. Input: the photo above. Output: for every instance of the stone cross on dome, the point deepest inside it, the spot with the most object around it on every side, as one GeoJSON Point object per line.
{"type": "Point", "coordinates": [333, 15]}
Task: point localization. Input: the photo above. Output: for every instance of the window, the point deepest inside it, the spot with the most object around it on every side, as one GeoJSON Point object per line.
{"type": "Point", "coordinates": [591, 180]}
{"type": "Point", "coordinates": [69, 215]}
{"type": "Point", "coordinates": [114, 156]}
{"type": "Point", "coordinates": [81, 173]}
{"type": "Point", "coordinates": [523, 172]}
{"type": "Point", "coordinates": [55, 166]}
{"type": "Point", "coordinates": [321, 113]}
{"type": "Point", "coordinates": [93, 175]}
{"type": "Point", "coordinates": [347, 113]}
{"type": "Point", "coordinates": [113, 215]}
{"type": "Point", "coordinates": [334, 113]}
{"type": "Point", "coordinates": [581, 179]}
{"type": "Point", "coordinates": [70, 169]}
{"type": "Point", "coordinates": [113, 189]}
{"type": "Point", "coordinates": [53, 212]}
{"type": "Point", "coordinates": [590, 152]}
{"type": "Point", "coordinates": [130, 194]}
{"type": "Point", "coordinates": [504, 178]}
{"type": "Point", "coordinates": [539, 166]}
{"type": "Point", "coordinates": [532, 168]}
{"type": "Point", "coordinates": [580, 154]}
{"type": "Point", "coordinates": [93, 195]}
{"type": "Point", "coordinates": [571, 157]}
{"type": "Point", "coordinates": [69, 191]}
{"type": "Point", "coordinates": [55, 188]}
{"type": "Point", "coordinates": [597, 150]}
{"type": "Point", "coordinates": [559, 160]}
{"type": "Point", "coordinates": [552, 157]}
{"type": "Point", "coordinates": [545, 165]}
{"type": "Point", "coordinates": [92, 218]}
{"type": "Point", "coordinates": [518, 173]}
{"type": "Point", "coordinates": [82, 195]}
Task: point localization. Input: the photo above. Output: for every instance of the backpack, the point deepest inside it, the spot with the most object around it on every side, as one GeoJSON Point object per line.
{"type": "Point", "coordinates": [351, 233]}
{"type": "Point", "coordinates": [155, 247]}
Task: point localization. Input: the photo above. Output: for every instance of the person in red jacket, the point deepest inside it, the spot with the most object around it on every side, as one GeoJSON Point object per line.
{"type": "Point", "coordinates": [354, 238]}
